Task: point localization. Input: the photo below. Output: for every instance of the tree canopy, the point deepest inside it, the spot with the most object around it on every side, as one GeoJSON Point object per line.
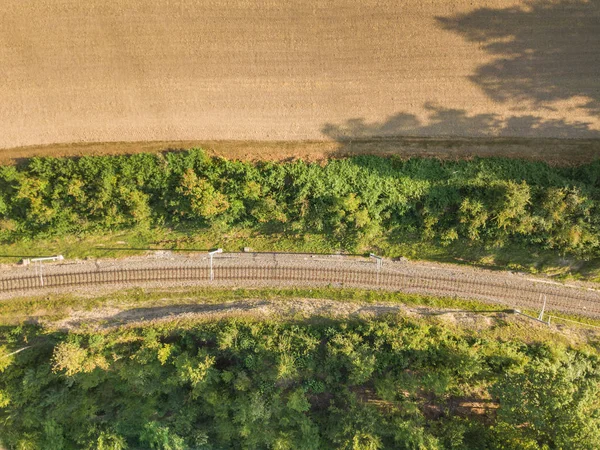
{"type": "Point", "coordinates": [388, 382]}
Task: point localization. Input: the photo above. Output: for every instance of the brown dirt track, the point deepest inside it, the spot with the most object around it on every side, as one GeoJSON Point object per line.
{"type": "Point", "coordinates": [266, 70]}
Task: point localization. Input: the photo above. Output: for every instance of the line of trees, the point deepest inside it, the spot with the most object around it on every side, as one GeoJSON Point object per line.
{"type": "Point", "coordinates": [371, 384]}
{"type": "Point", "coordinates": [352, 201]}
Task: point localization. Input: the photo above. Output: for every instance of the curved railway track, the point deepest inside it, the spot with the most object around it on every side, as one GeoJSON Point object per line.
{"type": "Point", "coordinates": [558, 298]}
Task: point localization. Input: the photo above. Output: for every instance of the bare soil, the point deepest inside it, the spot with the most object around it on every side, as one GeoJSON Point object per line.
{"type": "Point", "coordinates": [182, 72]}
{"type": "Point", "coordinates": [553, 151]}
{"type": "Point", "coordinates": [298, 308]}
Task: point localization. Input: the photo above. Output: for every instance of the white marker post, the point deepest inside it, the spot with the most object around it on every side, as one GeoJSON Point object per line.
{"type": "Point", "coordinates": [379, 261]}
{"type": "Point", "coordinates": [211, 254]}
{"type": "Point", "coordinates": [541, 318]}
{"type": "Point", "coordinates": [39, 263]}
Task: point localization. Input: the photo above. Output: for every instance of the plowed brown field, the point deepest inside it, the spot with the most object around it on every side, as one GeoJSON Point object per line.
{"type": "Point", "coordinates": [273, 70]}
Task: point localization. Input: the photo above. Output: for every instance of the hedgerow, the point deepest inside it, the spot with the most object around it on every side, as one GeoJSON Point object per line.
{"type": "Point", "coordinates": [351, 201]}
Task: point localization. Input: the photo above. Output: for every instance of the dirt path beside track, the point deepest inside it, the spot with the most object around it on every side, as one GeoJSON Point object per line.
{"type": "Point", "coordinates": [108, 70]}
{"type": "Point", "coordinates": [296, 308]}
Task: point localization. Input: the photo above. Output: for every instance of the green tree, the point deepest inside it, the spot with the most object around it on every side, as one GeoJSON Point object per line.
{"type": "Point", "coordinates": [203, 200]}
{"type": "Point", "coordinates": [551, 404]}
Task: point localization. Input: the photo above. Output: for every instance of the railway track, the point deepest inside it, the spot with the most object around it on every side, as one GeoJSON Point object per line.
{"type": "Point", "coordinates": [531, 296]}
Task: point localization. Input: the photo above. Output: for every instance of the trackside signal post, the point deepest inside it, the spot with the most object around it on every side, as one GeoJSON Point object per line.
{"type": "Point", "coordinates": [39, 262]}
{"type": "Point", "coordinates": [379, 262]}
{"type": "Point", "coordinates": [211, 254]}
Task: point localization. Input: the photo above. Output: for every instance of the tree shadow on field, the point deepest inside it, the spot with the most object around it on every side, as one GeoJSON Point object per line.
{"type": "Point", "coordinates": [447, 122]}
{"type": "Point", "coordinates": [453, 133]}
{"type": "Point", "coordinates": [544, 51]}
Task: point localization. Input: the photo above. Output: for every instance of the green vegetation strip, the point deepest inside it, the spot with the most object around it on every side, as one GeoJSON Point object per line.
{"type": "Point", "coordinates": [386, 382]}
{"type": "Point", "coordinates": [492, 212]}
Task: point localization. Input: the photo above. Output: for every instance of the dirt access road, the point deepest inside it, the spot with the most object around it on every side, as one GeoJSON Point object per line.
{"type": "Point", "coordinates": [267, 70]}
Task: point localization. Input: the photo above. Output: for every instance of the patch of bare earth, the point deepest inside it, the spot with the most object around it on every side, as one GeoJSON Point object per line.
{"type": "Point", "coordinates": [297, 308]}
